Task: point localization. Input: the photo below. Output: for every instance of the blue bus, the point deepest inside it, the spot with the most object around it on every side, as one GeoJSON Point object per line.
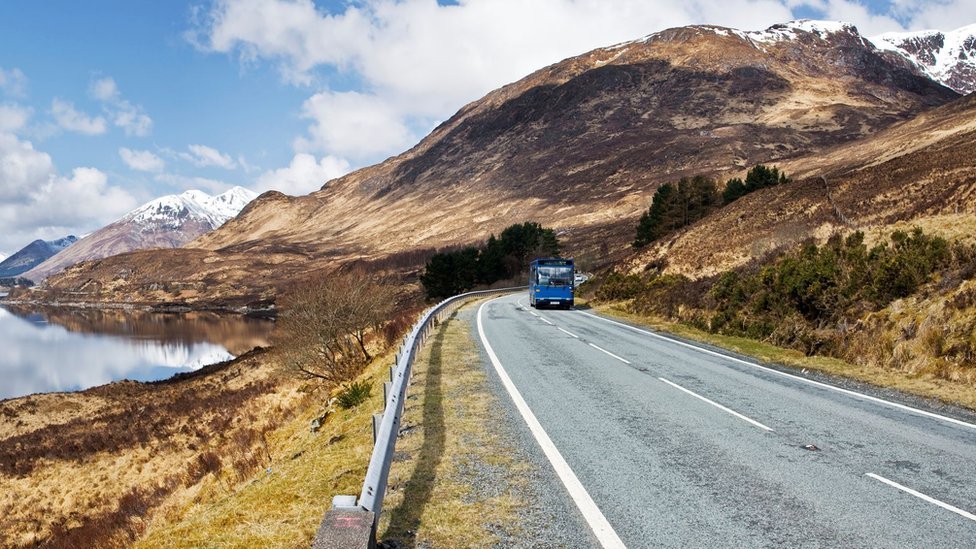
{"type": "Point", "coordinates": [551, 282]}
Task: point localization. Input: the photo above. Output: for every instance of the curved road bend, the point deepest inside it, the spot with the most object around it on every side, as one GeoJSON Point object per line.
{"type": "Point", "coordinates": [672, 446]}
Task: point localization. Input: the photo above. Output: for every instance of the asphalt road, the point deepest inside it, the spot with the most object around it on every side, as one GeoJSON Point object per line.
{"type": "Point", "coordinates": [674, 446]}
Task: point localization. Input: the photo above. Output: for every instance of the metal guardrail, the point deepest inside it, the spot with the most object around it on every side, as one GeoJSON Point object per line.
{"type": "Point", "coordinates": [351, 523]}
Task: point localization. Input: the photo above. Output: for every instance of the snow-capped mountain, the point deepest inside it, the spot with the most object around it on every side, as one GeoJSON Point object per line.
{"type": "Point", "coordinates": [173, 211]}
{"type": "Point", "coordinates": [33, 254]}
{"type": "Point", "coordinates": [947, 57]}
{"type": "Point", "coordinates": [166, 222]}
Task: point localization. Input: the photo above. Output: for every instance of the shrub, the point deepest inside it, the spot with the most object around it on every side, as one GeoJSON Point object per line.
{"type": "Point", "coordinates": [322, 332]}
{"type": "Point", "coordinates": [353, 394]}
{"type": "Point", "coordinates": [617, 286]}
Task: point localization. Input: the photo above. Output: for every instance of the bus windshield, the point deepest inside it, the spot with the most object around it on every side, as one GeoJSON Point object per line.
{"type": "Point", "coordinates": [555, 276]}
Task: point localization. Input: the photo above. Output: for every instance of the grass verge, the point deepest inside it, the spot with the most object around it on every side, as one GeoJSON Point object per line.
{"type": "Point", "coordinates": [915, 384]}
{"type": "Point", "coordinates": [453, 481]}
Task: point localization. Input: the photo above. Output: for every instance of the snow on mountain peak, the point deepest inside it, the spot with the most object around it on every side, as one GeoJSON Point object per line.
{"type": "Point", "coordinates": [947, 57]}
{"type": "Point", "coordinates": [788, 31]}
{"type": "Point", "coordinates": [172, 211]}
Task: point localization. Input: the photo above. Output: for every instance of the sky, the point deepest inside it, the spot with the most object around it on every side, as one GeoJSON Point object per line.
{"type": "Point", "coordinates": [105, 105]}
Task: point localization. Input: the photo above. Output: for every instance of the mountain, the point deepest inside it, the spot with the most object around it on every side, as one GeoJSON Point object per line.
{"type": "Point", "coordinates": [167, 222]}
{"type": "Point", "coordinates": [33, 254]}
{"type": "Point", "coordinates": [946, 57]}
{"type": "Point", "coordinates": [3, 256]}
{"type": "Point", "coordinates": [579, 146]}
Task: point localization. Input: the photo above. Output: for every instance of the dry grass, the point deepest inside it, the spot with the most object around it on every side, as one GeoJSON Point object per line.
{"type": "Point", "coordinates": [917, 382]}
{"type": "Point", "coordinates": [282, 504]}
{"type": "Point", "coordinates": [90, 468]}
{"type": "Point", "coordinates": [455, 488]}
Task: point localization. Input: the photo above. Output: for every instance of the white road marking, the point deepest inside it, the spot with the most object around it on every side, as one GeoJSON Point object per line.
{"type": "Point", "coordinates": [570, 334]}
{"type": "Point", "coordinates": [922, 496]}
{"type": "Point", "coordinates": [624, 360]}
{"type": "Point", "coordinates": [594, 517]}
{"type": "Point", "coordinates": [716, 404]}
{"type": "Point", "coordinates": [544, 319]}
{"type": "Point", "coordinates": [798, 378]}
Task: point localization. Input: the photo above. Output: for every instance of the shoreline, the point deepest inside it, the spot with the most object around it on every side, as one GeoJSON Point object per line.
{"type": "Point", "coordinates": [266, 309]}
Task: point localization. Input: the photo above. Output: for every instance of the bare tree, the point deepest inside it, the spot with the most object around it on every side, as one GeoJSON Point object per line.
{"type": "Point", "coordinates": [324, 328]}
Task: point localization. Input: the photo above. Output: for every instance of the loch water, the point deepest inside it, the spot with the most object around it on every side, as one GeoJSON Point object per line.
{"type": "Point", "coordinates": [58, 349]}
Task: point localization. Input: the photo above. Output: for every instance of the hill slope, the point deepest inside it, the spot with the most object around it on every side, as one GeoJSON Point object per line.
{"type": "Point", "coordinates": [167, 222]}
{"type": "Point", "coordinates": [580, 145]}
{"type": "Point", "coordinates": [918, 172]}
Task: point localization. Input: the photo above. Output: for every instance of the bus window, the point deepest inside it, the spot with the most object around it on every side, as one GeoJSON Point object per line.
{"type": "Point", "coordinates": [555, 276]}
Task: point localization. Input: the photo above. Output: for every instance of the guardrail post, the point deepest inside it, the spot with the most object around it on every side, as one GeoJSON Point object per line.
{"type": "Point", "coordinates": [377, 420]}
{"type": "Point", "coordinates": [387, 387]}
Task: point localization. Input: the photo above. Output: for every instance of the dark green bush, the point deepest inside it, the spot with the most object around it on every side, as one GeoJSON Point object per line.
{"type": "Point", "coordinates": [675, 205]}
{"type": "Point", "coordinates": [758, 177]}
{"type": "Point", "coordinates": [353, 394]}
{"type": "Point", "coordinates": [453, 272]}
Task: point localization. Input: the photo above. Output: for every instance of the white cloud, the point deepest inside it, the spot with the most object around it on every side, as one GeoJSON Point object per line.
{"type": "Point", "coordinates": [21, 169]}
{"type": "Point", "coordinates": [303, 175]}
{"type": "Point", "coordinates": [131, 118]}
{"type": "Point", "coordinates": [143, 161]}
{"type": "Point", "coordinates": [203, 156]}
{"type": "Point", "coordinates": [938, 14]}
{"type": "Point", "coordinates": [13, 118]}
{"type": "Point", "coordinates": [72, 120]}
{"type": "Point", "coordinates": [182, 182]}
{"type": "Point", "coordinates": [13, 82]}
{"type": "Point", "coordinates": [869, 24]}
{"type": "Point", "coordinates": [354, 125]}
{"type": "Point", "coordinates": [105, 89]}
{"type": "Point", "coordinates": [37, 202]}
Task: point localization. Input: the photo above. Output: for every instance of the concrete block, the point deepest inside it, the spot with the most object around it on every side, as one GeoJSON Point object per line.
{"type": "Point", "coordinates": [345, 529]}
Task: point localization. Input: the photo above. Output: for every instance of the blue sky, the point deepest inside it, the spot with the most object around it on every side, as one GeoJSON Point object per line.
{"type": "Point", "coordinates": [105, 105]}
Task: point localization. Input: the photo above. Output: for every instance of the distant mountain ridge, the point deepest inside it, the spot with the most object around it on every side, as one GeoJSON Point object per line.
{"type": "Point", "coordinates": [580, 146]}
{"type": "Point", "coordinates": [33, 254]}
{"type": "Point", "coordinates": [946, 57]}
{"type": "Point", "coordinates": [166, 222]}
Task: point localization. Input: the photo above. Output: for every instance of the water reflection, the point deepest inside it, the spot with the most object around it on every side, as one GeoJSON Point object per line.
{"type": "Point", "coordinates": [54, 349]}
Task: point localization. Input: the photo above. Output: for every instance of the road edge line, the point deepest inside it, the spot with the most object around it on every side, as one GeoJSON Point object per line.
{"type": "Point", "coordinates": [848, 392]}
{"type": "Point", "coordinates": [602, 529]}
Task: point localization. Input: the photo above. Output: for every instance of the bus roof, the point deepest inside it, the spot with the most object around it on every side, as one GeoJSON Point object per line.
{"type": "Point", "coordinates": [553, 261]}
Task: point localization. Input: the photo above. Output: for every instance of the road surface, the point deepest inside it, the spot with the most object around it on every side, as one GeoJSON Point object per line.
{"type": "Point", "coordinates": [659, 443]}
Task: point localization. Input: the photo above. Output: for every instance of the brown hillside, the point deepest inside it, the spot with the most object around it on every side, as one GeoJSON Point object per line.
{"type": "Point", "coordinates": [921, 172]}
{"type": "Point", "coordinates": [580, 146]}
